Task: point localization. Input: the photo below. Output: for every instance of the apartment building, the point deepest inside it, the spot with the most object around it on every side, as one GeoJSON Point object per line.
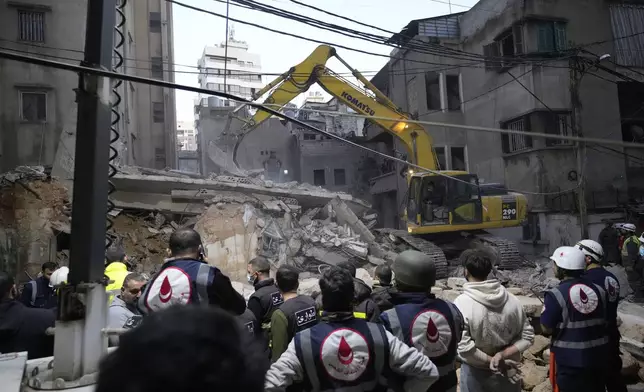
{"type": "Point", "coordinates": [38, 109]}
{"type": "Point", "coordinates": [531, 94]}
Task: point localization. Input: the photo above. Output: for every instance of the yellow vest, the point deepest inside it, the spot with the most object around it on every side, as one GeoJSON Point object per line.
{"type": "Point", "coordinates": [117, 272]}
{"type": "Point", "coordinates": [358, 315]}
{"type": "Point", "coordinates": [632, 238]}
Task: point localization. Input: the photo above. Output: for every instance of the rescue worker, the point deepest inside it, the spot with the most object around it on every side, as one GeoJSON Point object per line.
{"type": "Point", "coordinates": [609, 241]}
{"type": "Point", "coordinates": [116, 270]}
{"type": "Point", "coordinates": [266, 297]}
{"type": "Point", "coordinates": [382, 287]}
{"type": "Point", "coordinates": [123, 312]}
{"type": "Point", "coordinates": [186, 278]}
{"type": "Point", "coordinates": [39, 293]}
{"type": "Point", "coordinates": [631, 246]}
{"type": "Point", "coordinates": [574, 314]}
{"type": "Point", "coordinates": [419, 319]}
{"type": "Point", "coordinates": [249, 324]}
{"type": "Point", "coordinates": [297, 313]}
{"type": "Point", "coordinates": [345, 353]}
{"type": "Point", "coordinates": [184, 348]}
{"type": "Point", "coordinates": [496, 329]}
{"type": "Point", "coordinates": [23, 328]}
{"type": "Point", "coordinates": [364, 306]}
{"type": "Point", "coordinates": [597, 274]}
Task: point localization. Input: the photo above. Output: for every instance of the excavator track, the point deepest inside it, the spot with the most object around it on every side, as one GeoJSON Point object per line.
{"type": "Point", "coordinates": [424, 246]}
{"type": "Point", "coordinates": [507, 251]}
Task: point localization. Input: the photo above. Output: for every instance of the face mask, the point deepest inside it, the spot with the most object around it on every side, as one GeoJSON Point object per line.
{"type": "Point", "coordinates": [250, 278]}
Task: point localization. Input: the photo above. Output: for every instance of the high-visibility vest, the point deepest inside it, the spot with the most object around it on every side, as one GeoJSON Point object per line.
{"type": "Point", "coordinates": [580, 340]}
{"type": "Point", "coordinates": [632, 238]}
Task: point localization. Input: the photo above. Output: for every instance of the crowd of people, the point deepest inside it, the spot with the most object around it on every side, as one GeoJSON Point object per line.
{"type": "Point", "coordinates": [396, 336]}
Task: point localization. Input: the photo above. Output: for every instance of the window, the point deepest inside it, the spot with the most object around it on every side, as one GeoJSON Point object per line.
{"type": "Point", "coordinates": [440, 155]}
{"type": "Point", "coordinates": [451, 158]}
{"type": "Point", "coordinates": [155, 22]}
{"type": "Point", "coordinates": [433, 90]}
{"type": "Point", "coordinates": [249, 63]}
{"type": "Point", "coordinates": [156, 67]}
{"type": "Point", "coordinates": [33, 106]}
{"type": "Point", "coordinates": [339, 177]}
{"type": "Point", "coordinates": [551, 36]}
{"type": "Point", "coordinates": [318, 177]}
{"type": "Point", "coordinates": [513, 143]}
{"type": "Point", "coordinates": [558, 124]}
{"type": "Point", "coordinates": [509, 44]}
{"type": "Point", "coordinates": [158, 112]}
{"type": "Point", "coordinates": [453, 92]}
{"type": "Point", "coordinates": [31, 26]}
{"type": "Point", "coordinates": [532, 230]}
{"type": "Point", "coordinates": [457, 158]}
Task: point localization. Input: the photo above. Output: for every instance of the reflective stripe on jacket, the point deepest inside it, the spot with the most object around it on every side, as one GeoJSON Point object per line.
{"type": "Point", "coordinates": [351, 355]}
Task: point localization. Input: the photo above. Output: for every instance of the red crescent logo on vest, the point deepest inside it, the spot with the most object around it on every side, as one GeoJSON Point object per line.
{"type": "Point", "coordinates": [431, 333]}
{"type": "Point", "coordinates": [583, 298]}
{"type": "Point", "coordinates": [344, 353]}
{"type": "Point", "coordinates": [612, 287]}
{"type": "Point", "coordinates": [165, 293]}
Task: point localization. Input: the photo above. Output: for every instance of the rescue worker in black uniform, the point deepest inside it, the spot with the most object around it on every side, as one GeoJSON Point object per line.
{"type": "Point", "coordinates": [266, 297]}
{"type": "Point", "coordinates": [382, 287]}
{"type": "Point", "coordinates": [609, 241]}
{"type": "Point", "coordinates": [574, 314]}
{"type": "Point", "coordinates": [418, 318]}
{"type": "Point", "coordinates": [363, 305]}
{"type": "Point", "coordinates": [297, 313]}
{"type": "Point", "coordinates": [603, 278]}
{"type": "Point", "coordinates": [346, 353]}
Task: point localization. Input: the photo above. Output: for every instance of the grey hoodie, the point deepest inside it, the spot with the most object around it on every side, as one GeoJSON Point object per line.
{"type": "Point", "coordinates": [121, 315]}
{"type": "Point", "coordinates": [494, 320]}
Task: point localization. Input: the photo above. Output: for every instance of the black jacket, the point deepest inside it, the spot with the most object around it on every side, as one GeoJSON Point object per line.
{"type": "Point", "coordinates": [609, 240]}
{"type": "Point", "coordinates": [265, 300]}
{"type": "Point", "coordinates": [381, 295]}
{"type": "Point", "coordinates": [363, 301]}
{"type": "Point", "coordinates": [45, 295]}
{"type": "Point", "coordinates": [23, 329]}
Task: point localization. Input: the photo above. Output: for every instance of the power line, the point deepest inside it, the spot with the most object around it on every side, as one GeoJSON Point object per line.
{"type": "Point", "coordinates": [164, 84]}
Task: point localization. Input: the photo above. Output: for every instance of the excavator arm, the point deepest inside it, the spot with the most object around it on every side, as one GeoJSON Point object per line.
{"type": "Point", "coordinates": [313, 70]}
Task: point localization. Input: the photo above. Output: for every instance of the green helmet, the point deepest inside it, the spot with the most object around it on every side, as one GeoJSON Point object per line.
{"type": "Point", "coordinates": [414, 270]}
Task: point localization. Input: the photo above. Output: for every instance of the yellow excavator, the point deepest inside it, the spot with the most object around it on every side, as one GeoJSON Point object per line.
{"type": "Point", "coordinates": [446, 211]}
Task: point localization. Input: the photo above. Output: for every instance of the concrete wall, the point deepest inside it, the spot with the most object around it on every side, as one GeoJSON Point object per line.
{"type": "Point", "coordinates": [255, 148]}
{"type": "Point", "coordinates": [188, 161]}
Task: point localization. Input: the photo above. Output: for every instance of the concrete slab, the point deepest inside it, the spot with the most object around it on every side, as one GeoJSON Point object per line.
{"type": "Point", "coordinates": [12, 367]}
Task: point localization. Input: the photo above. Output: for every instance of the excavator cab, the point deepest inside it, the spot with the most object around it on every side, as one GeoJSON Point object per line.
{"type": "Point", "coordinates": [450, 199]}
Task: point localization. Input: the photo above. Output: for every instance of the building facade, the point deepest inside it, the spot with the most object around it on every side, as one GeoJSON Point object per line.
{"type": "Point", "coordinates": [38, 110]}
{"type": "Point", "coordinates": [525, 82]}
{"type": "Point", "coordinates": [186, 136]}
{"type": "Point", "coordinates": [229, 67]}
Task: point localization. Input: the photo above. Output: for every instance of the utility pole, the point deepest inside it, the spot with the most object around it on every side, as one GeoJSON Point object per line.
{"type": "Point", "coordinates": [576, 74]}
{"type": "Point", "coordinates": [79, 342]}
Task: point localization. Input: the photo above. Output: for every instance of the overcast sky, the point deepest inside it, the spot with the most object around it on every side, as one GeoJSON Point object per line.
{"type": "Point", "coordinates": [194, 30]}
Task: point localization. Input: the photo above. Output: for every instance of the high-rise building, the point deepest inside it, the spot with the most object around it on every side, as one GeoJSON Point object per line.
{"type": "Point", "coordinates": [38, 109]}
{"type": "Point", "coordinates": [186, 136]}
{"type": "Point", "coordinates": [229, 67]}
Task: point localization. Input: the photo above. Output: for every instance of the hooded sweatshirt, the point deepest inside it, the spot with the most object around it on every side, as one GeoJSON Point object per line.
{"type": "Point", "coordinates": [494, 320]}
{"type": "Point", "coordinates": [122, 315]}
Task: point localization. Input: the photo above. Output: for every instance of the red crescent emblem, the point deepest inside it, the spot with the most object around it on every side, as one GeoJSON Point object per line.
{"type": "Point", "coordinates": [345, 353]}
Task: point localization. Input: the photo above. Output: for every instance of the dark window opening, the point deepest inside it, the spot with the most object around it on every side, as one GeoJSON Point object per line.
{"type": "Point", "coordinates": [458, 158]}
{"type": "Point", "coordinates": [513, 143]}
{"type": "Point", "coordinates": [33, 106]}
{"type": "Point", "coordinates": [155, 22]}
{"type": "Point", "coordinates": [432, 90]}
{"type": "Point", "coordinates": [319, 178]}
{"type": "Point", "coordinates": [440, 155]}
{"type": "Point", "coordinates": [551, 36]}
{"type": "Point", "coordinates": [453, 92]}
{"type": "Point", "coordinates": [339, 177]}
{"type": "Point", "coordinates": [509, 45]}
{"type": "Point", "coordinates": [158, 112]}
{"type": "Point", "coordinates": [156, 67]}
{"type": "Point", "coordinates": [532, 230]}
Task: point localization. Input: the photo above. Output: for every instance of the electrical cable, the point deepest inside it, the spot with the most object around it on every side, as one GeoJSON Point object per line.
{"type": "Point", "coordinates": [116, 116]}
{"type": "Point", "coordinates": [160, 83]}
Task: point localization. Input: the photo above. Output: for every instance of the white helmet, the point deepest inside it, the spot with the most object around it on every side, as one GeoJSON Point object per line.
{"type": "Point", "coordinates": [629, 227]}
{"type": "Point", "coordinates": [569, 258]}
{"type": "Point", "coordinates": [591, 248]}
{"type": "Point", "coordinates": [59, 276]}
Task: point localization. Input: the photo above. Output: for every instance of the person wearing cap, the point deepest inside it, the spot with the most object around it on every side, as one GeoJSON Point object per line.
{"type": "Point", "coordinates": [574, 314]}
{"type": "Point", "coordinates": [630, 246]}
{"type": "Point", "coordinates": [433, 326]}
{"type": "Point", "coordinates": [597, 274]}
